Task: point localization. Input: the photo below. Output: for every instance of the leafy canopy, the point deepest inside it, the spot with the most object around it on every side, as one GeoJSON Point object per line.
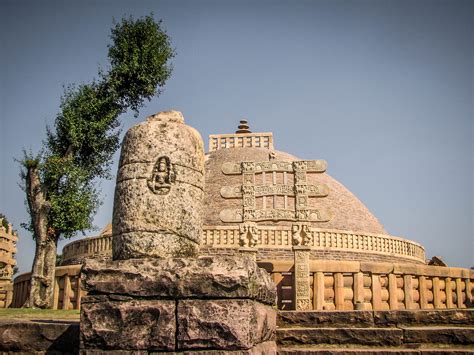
{"type": "Point", "coordinates": [79, 147]}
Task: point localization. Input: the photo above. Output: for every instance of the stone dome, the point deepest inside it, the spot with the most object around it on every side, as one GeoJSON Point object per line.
{"type": "Point", "coordinates": [347, 211]}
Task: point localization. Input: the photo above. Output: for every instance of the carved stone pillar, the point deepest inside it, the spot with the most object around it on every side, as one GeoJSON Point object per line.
{"type": "Point", "coordinates": [301, 278]}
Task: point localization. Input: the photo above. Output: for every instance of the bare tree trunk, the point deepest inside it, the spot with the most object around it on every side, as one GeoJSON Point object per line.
{"type": "Point", "coordinates": [42, 274]}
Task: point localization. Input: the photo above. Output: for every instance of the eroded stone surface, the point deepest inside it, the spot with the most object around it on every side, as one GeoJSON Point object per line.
{"type": "Point", "coordinates": [326, 319]}
{"type": "Point", "coordinates": [159, 190]}
{"type": "Point", "coordinates": [439, 335]}
{"type": "Point", "coordinates": [425, 317]}
{"type": "Point", "coordinates": [130, 325]}
{"type": "Point", "coordinates": [224, 324]}
{"type": "Point", "coordinates": [362, 336]}
{"type": "Point", "coordinates": [205, 277]}
{"type": "Point", "coordinates": [29, 336]}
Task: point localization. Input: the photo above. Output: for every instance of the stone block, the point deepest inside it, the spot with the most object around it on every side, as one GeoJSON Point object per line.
{"type": "Point", "coordinates": [224, 324]}
{"type": "Point", "coordinates": [424, 317]}
{"type": "Point", "coordinates": [205, 277]}
{"type": "Point", "coordinates": [439, 335]}
{"type": "Point", "coordinates": [129, 325]}
{"type": "Point", "coordinates": [325, 319]}
{"type": "Point", "coordinates": [339, 336]}
{"type": "Point", "coordinates": [32, 336]}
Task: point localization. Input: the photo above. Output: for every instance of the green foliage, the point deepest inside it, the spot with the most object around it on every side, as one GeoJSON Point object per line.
{"type": "Point", "coordinates": [139, 57]}
{"type": "Point", "coordinates": [79, 147]}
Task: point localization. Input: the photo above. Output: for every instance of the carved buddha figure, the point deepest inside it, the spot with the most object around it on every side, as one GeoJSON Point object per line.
{"type": "Point", "coordinates": [162, 177]}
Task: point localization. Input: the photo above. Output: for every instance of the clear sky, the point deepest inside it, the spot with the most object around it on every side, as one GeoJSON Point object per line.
{"type": "Point", "coordinates": [383, 90]}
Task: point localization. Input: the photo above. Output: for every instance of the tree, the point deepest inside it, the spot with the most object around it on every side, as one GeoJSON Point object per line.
{"type": "Point", "coordinates": [60, 181]}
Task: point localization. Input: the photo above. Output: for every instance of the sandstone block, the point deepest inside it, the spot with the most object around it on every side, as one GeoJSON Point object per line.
{"type": "Point", "coordinates": [224, 324]}
{"type": "Point", "coordinates": [132, 325]}
{"type": "Point", "coordinates": [205, 277]}
{"type": "Point", "coordinates": [362, 336]}
{"type": "Point", "coordinates": [159, 191]}
{"type": "Point", "coordinates": [325, 319]}
{"type": "Point", "coordinates": [439, 335]}
{"type": "Point", "coordinates": [424, 317]}
{"type": "Point", "coordinates": [31, 336]}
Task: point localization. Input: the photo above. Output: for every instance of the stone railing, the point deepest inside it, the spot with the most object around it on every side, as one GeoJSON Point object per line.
{"type": "Point", "coordinates": [240, 140]}
{"type": "Point", "coordinates": [280, 237]}
{"type": "Point", "coordinates": [93, 246]}
{"type": "Point", "coordinates": [336, 285]}
{"type": "Point", "coordinates": [271, 237]}
{"type": "Point", "coordinates": [8, 239]}
{"type": "Point", "coordinates": [67, 292]}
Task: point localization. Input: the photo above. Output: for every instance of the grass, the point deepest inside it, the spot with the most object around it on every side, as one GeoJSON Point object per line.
{"type": "Point", "coordinates": [43, 314]}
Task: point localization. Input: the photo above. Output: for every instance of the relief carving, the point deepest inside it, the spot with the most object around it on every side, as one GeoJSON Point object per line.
{"type": "Point", "coordinates": [301, 235]}
{"type": "Point", "coordinates": [311, 166]}
{"type": "Point", "coordinates": [163, 176]}
{"type": "Point", "coordinates": [235, 191]}
{"type": "Point", "coordinates": [248, 235]}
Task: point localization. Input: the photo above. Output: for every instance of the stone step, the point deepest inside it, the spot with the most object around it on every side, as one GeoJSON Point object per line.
{"type": "Point", "coordinates": [360, 319]}
{"type": "Point", "coordinates": [325, 350]}
{"type": "Point", "coordinates": [376, 336]}
{"type": "Point", "coordinates": [340, 336]}
{"type": "Point", "coordinates": [439, 335]}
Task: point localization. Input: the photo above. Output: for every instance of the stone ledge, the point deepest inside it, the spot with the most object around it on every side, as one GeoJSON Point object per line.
{"type": "Point", "coordinates": [424, 317]}
{"type": "Point", "coordinates": [340, 336]}
{"type": "Point", "coordinates": [174, 278]}
{"type": "Point", "coordinates": [32, 336]}
{"type": "Point", "coordinates": [325, 318]}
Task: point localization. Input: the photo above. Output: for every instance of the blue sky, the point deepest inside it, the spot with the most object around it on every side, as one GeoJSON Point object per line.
{"type": "Point", "coordinates": [383, 90]}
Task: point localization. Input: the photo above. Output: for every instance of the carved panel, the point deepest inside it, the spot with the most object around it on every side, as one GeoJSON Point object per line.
{"type": "Point", "coordinates": [162, 177]}
{"type": "Point", "coordinates": [302, 282]}
{"type": "Point", "coordinates": [309, 215]}
{"type": "Point", "coordinates": [248, 234]}
{"type": "Point", "coordinates": [311, 166]}
{"type": "Point", "coordinates": [235, 191]}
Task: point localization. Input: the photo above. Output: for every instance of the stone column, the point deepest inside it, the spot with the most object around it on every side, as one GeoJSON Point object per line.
{"type": "Point", "coordinates": [159, 190]}
{"type": "Point", "coordinates": [301, 278]}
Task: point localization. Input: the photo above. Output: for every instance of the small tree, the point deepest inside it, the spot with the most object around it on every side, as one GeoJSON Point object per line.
{"type": "Point", "coordinates": [60, 181]}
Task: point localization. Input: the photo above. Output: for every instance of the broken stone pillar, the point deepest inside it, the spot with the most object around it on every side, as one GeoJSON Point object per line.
{"type": "Point", "coordinates": [159, 190]}
{"type": "Point", "coordinates": [157, 294]}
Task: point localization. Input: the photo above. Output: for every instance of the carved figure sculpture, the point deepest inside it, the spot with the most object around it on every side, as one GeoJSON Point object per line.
{"type": "Point", "coordinates": [163, 176]}
{"type": "Point", "coordinates": [301, 234]}
{"type": "Point", "coordinates": [248, 235]}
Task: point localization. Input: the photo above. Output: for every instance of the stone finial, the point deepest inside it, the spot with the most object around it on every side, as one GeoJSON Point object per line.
{"type": "Point", "coordinates": [243, 127]}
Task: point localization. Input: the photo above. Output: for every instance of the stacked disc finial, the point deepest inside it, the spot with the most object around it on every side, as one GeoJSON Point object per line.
{"type": "Point", "coordinates": [243, 127]}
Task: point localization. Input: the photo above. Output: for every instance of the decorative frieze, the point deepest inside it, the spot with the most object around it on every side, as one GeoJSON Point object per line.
{"type": "Point", "coordinates": [235, 191]}
{"type": "Point", "coordinates": [236, 215]}
{"type": "Point", "coordinates": [311, 166]}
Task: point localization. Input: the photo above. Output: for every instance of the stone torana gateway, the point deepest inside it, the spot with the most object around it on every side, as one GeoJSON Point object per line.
{"type": "Point", "coordinates": [192, 233]}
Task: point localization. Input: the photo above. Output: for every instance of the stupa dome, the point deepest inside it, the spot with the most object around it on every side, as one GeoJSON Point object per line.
{"type": "Point", "coordinates": [348, 213]}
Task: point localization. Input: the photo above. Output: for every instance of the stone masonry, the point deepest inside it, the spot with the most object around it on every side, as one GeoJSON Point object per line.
{"type": "Point", "coordinates": [156, 295]}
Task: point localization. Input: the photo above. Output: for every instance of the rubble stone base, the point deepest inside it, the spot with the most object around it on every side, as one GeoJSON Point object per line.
{"type": "Point", "coordinates": [207, 305]}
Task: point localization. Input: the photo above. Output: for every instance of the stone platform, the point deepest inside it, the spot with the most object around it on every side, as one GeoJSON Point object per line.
{"type": "Point", "coordinates": [178, 305]}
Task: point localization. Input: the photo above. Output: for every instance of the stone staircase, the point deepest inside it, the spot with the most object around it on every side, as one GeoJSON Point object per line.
{"type": "Point", "coordinates": [376, 332]}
